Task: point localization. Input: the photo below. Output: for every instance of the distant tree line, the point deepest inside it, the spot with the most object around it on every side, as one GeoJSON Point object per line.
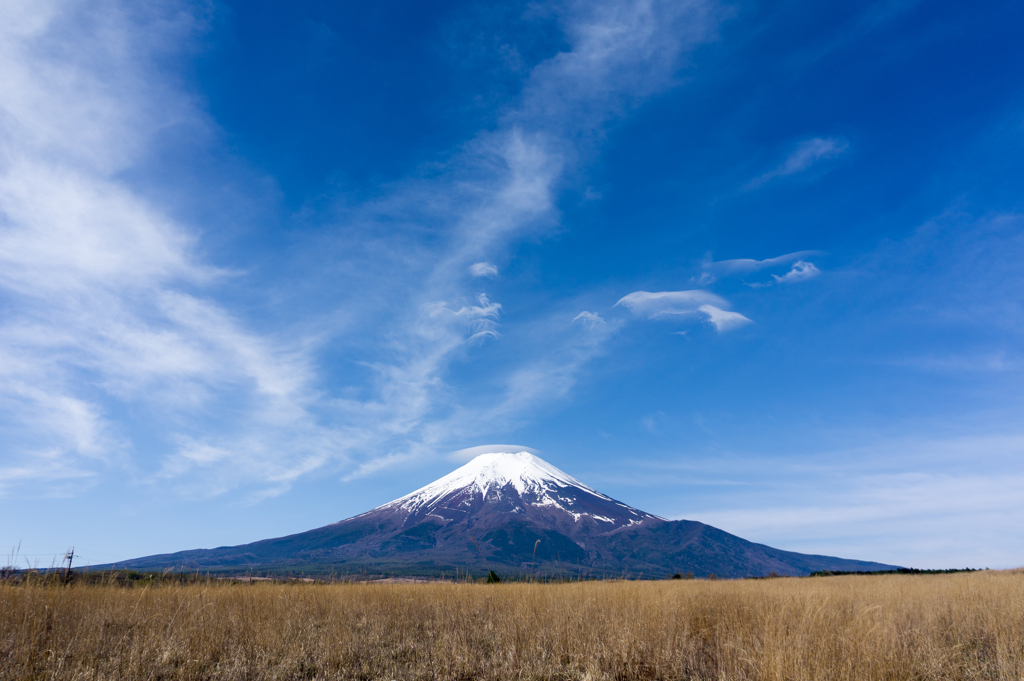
{"type": "Point", "coordinates": [898, 571]}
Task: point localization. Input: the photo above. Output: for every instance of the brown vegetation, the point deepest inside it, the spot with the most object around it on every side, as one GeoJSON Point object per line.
{"type": "Point", "coordinates": [960, 626]}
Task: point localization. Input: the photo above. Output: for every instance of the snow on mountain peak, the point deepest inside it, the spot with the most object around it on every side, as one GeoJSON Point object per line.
{"type": "Point", "coordinates": [524, 471]}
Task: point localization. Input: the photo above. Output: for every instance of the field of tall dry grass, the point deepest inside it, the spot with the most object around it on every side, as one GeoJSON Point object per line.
{"type": "Point", "coordinates": [958, 626]}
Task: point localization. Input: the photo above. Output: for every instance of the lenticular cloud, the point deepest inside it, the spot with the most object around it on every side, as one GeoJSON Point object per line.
{"type": "Point", "coordinates": [654, 305]}
{"type": "Point", "coordinates": [681, 303]}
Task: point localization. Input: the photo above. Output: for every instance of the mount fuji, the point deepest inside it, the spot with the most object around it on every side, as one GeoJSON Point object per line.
{"type": "Point", "coordinates": [509, 511]}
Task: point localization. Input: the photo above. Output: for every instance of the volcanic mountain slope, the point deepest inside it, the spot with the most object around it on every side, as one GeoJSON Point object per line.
{"type": "Point", "coordinates": [509, 511]}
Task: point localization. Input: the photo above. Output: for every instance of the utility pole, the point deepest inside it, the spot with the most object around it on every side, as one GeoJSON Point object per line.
{"type": "Point", "coordinates": [69, 556]}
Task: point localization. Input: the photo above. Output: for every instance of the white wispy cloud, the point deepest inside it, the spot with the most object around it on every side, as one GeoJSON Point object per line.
{"type": "Point", "coordinates": [921, 501]}
{"type": "Point", "coordinates": [745, 265]}
{"type": "Point", "coordinates": [724, 320]}
{"type": "Point", "coordinates": [590, 320]}
{"type": "Point", "coordinates": [539, 380]}
{"type": "Point", "coordinates": [801, 270]}
{"type": "Point", "coordinates": [930, 520]}
{"type": "Point", "coordinates": [806, 154]}
{"type": "Point", "coordinates": [483, 269]}
{"type": "Point", "coordinates": [663, 303]}
{"type": "Point", "coordinates": [682, 303]}
{"type": "Point", "coordinates": [108, 301]}
{"type": "Point", "coordinates": [502, 187]}
{"type": "Point", "coordinates": [470, 453]}
{"type": "Point", "coordinates": [481, 320]}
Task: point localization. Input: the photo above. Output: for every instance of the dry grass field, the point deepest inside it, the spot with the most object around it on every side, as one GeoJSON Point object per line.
{"type": "Point", "coordinates": [959, 626]}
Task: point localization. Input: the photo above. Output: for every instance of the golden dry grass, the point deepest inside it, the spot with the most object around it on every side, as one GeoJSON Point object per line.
{"type": "Point", "coordinates": [960, 626]}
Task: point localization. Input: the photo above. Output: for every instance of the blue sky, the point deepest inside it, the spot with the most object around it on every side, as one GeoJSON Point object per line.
{"type": "Point", "coordinates": [264, 266]}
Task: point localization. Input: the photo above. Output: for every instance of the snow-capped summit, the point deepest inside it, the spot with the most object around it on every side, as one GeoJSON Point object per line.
{"type": "Point", "coordinates": [522, 470]}
{"type": "Point", "coordinates": [515, 483]}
